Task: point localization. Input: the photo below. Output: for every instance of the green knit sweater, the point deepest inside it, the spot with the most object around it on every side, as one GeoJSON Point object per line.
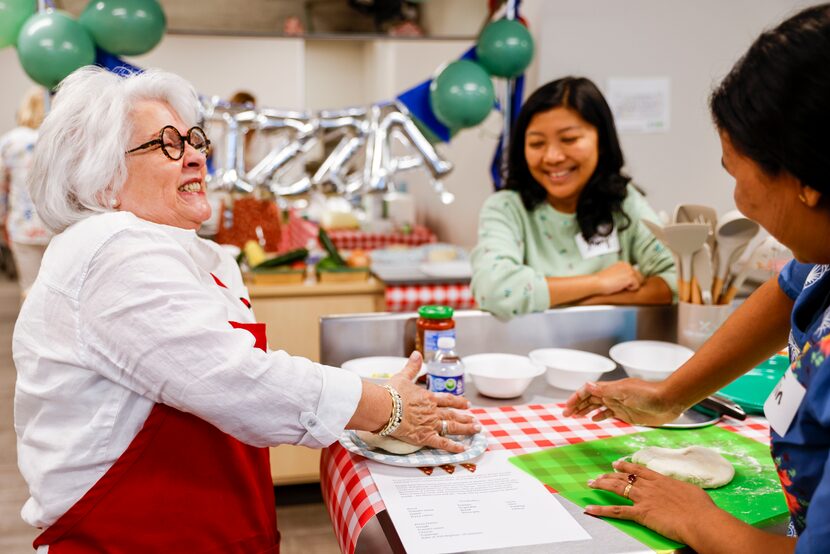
{"type": "Point", "coordinates": [517, 249]}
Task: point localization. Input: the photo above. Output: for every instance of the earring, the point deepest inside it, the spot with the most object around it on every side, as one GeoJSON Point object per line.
{"type": "Point", "coordinates": [802, 198]}
{"type": "Point", "coordinates": [115, 203]}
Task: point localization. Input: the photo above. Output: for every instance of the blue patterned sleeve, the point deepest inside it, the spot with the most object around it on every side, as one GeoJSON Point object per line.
{"type": "Point", "coordinates": [792, 277]}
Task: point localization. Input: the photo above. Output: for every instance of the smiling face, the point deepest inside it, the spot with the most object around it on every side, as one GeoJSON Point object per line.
{"type": "Point", "coordinates": [158, 189]}
{"type": "Point", "coordinates": [562, 152]}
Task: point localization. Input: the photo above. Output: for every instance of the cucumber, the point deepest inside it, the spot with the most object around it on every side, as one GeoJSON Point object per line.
{"type": "Point", "coordinates": [330, 248]}
{"type": "Point", "coordinates": [283, 259]}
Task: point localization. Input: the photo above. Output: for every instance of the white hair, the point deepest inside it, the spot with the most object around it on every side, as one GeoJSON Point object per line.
{"type": "Point", "coordinates": [79, 160]}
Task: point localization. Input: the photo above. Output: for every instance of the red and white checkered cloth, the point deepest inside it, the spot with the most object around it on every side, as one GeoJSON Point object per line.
{"type": "Point", "coordinates": [353, 499]}
{"type": "Point", "coordinates": [408, 298]}
{"type": "Point", "coordinates": [296, 233]}
{"type": "Point", "coordinates": [349, 240]}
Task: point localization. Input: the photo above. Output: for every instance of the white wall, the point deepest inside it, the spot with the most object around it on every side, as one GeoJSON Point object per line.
{"type": "Point", "coordinates": [272, 69]}
{"type": "Point", "coordinates": [692, 43]}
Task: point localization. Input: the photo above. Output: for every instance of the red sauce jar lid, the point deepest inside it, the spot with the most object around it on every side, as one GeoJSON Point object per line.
{"type": "Point", "coordinates": [435, 312]}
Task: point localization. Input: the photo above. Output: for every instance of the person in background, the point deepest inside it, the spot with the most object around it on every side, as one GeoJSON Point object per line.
{"type": "Point", "coordinates": [243, 97]}
{"type": "Point", "coordinates": [567, 228]}
{"type": "Point", "coordinates": [771, 114]}
{"type": "Point", "coordinates": [28, 236]}
{"type": "Point", "coordinates": [146, 392]}
{"type": "Point", "coordinates": [256, 145]}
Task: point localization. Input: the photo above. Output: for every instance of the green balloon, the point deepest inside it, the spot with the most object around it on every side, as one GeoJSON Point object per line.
{"type": "Point", "coordinates": [13, 13]}
{"type": "Point", "coordinates": [125, 27]}
{"type": "Point", "coordinates": [462, 95]}
{"type": "Point", "coordinates": [51, 45]}
{"type": "Point", "coordinates": [505, 48]}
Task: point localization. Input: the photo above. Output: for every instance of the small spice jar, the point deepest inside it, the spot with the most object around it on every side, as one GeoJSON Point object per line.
{"type": "Point", "coordinates": [433, 322]}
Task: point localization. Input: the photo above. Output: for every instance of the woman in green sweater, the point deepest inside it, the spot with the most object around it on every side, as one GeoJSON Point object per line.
{"type": "Point", "coordinates": [567, 229]}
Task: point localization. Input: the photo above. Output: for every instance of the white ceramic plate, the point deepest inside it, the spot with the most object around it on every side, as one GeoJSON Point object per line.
{"type": "Point", "coordinates": [425, 457]}
{"type": "Point", "coordinates": [376, 368]}
{"type": "Point", "coordinates": [457, 269]}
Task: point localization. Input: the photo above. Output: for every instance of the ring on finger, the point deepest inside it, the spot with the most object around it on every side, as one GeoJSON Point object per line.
{"type": "Point", "coordinates": [627, 489]}
{"type": "Point", "coordinates": [631, 478]}
{"type": "Point", "coordinates": [443, 430]}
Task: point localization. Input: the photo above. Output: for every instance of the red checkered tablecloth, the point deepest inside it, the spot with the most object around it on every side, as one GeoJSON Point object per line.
{"type": "Point", "coordinates": [349, 240]}
{"type": "Point", "coordinates": [408, 298]}
{"type": "Point", "coordinates": [353, 499]}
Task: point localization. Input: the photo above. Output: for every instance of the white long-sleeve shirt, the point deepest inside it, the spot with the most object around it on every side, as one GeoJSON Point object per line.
{"type": "Point", "coordinates": [125, 314]}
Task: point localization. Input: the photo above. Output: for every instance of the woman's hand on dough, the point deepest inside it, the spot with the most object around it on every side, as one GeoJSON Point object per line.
{"type": "Point", "coordinates": [423, 412]}
{"type": "Point", "coordinates": [619, 277]}
{"type": "Point", "coordinates": [632, 400]}
{"type": "Point", "coordinates": [663, 504]}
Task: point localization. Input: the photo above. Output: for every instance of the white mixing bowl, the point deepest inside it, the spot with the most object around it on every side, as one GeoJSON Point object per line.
{"type": "Point", "coordinates": [377, 369]}
{"type": "Point", "coordinates": [650, 360]}
{"type": "Point", "coordinates": [570, 369]}
{"type": "Point", "coordinates": [501, 375]}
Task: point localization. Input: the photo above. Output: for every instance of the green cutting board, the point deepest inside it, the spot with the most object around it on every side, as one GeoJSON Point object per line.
{"type": "Point", "coordinates": [753, 496]}
{"type": "Point", "coordinates": [751, 390]}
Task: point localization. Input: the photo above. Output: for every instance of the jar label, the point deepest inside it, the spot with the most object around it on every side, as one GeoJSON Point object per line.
{"type": "Point", "coordinates": [431, 342]}
{"type": "Point", "coordinates": [451, 385]}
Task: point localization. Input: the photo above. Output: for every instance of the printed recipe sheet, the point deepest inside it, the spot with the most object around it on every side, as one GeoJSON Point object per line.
{"type": "Point", "coordinates": [496, 506]}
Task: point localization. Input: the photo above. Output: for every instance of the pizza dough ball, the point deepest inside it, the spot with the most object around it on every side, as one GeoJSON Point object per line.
{"type": "Point", "coordinates": [694, 464]}
{"type": "Point", "coordinates": [390, 444]}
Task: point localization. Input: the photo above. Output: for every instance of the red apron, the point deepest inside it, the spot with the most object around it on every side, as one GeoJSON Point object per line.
{"type": "Point", "coordinates": [181, 486]}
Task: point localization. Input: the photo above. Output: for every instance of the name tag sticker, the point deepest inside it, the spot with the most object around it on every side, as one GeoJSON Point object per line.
{"type": "Point", "coordinates": [598, 246]}
{"type": "Point", "coordinates": [782, 405]}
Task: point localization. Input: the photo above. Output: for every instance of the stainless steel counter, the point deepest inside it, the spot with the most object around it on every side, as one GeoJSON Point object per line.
{"type": "Point", "coordinates": [594, 329]}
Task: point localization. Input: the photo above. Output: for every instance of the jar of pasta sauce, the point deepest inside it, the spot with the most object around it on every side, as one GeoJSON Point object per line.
{"type": "Point", "coordinates": [433, 322]}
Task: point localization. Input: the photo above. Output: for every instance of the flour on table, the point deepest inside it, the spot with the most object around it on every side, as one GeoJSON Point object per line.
{"type": "Point", "coordinates": [694, 464]}
{"type": "Point", "coordinates": [390, 444]}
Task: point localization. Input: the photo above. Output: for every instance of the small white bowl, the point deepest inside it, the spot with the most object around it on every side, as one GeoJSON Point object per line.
{"type": "Point", "coordinates": [501, 375]}
{"type": "Point", "coordinates": [377, 369]}
{"type": "Point", "coordinates": [570, 369]}
{"type": "Point", "coordinates": [650, 360]}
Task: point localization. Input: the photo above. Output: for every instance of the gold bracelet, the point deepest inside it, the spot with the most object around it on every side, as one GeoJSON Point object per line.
{"type": "Point", "coordinates": [396, 416]}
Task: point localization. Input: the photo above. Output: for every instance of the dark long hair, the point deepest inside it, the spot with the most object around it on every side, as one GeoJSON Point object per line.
{"type": "Point", "coordinates": [773, 105]}
{"type": "Point", "coordinates": [605, 191]}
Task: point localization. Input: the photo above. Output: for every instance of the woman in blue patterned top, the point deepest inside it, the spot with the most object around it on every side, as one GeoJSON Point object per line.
{"type": "Point", "coordinates": [773, 115]}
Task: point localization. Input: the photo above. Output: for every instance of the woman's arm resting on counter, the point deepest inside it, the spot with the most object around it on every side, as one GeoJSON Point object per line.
{"type": "Point", "coordinates": [617, 278]}
{"type": "Point", "coordinates": [653, 291]}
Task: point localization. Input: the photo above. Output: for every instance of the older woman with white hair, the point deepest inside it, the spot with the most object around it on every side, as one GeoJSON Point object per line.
{"type": "Point", "coordinates": [146, 392]}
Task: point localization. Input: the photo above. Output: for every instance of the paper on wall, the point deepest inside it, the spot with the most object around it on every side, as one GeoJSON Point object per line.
{"type": "Point", "coordinates": [640, 105]}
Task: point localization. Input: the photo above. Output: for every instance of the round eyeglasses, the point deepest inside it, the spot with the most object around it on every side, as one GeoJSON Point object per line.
{"type": "Point", "coordinates": [172, 142]}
